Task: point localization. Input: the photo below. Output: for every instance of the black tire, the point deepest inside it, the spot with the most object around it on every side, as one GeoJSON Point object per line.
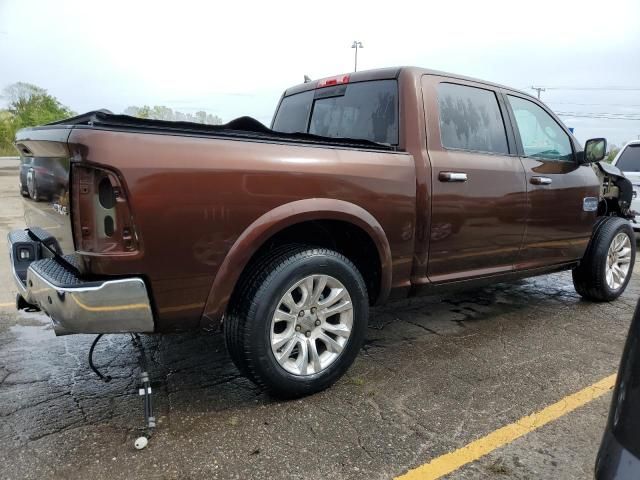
{"type": "Point", "coordinates": [232, 323]}
{"type": "Point", "coordinates": [247, 325]}
{"type": "Point", "coordinates": [589, 278]}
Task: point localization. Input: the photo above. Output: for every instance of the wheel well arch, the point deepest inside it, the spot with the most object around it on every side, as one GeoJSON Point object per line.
{"type": "Point", "coordinates": [339, 235]}
{"type": "Point", "coordinates": [328, 223]}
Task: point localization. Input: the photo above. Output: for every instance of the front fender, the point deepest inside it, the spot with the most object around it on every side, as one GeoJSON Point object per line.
{"type": "Point", "coordinates": [272, 222]}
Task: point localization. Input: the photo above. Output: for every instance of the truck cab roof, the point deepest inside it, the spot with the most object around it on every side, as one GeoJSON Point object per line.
{"type": "Point", "coordinates": [387, 74]}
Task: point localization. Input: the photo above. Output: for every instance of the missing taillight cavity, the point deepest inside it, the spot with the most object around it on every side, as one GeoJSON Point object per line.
{"type": "Point", "coordinates": [101, 215]}
{"type": "Point", "coordinates": [106, 194]}
{"type": "Point", "coordinates": [108, 226]}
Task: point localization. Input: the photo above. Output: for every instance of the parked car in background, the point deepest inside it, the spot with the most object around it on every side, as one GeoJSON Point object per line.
{"type": "Point", "coordinates": [628, 161]}
{"type": "Point", "coordinates": [25, 165]}
{"type": "Point", "coordinates": [369, 186]}
{"type": "Point", "coordinates": [40, 179]}
{"type": "Point", "coordinates": [619, 455]}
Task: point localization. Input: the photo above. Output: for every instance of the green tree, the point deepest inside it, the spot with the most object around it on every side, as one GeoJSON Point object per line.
{"type": "Point", "coordinates": [213, 120]}
{"type": "Point", "coordinates": [613, 151]}
{"type": "Point", "coordinates": [7, 133]}
{"type": "Point", "coordinates": [160, 112]}
{"type": "Point", "coordinates": [201, 116]}
{"type": "Point", "coordinates": [27, 106]}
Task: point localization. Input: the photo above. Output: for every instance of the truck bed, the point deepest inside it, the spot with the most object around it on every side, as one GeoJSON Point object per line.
{"type": "Point", "coordinates": [194, 191]}
{"type": "Point", "coordinates": [242, 128]}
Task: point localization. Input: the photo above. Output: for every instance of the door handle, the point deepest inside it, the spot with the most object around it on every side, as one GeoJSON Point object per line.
{"type": "Point", "coordinates": [540, 180]}
{"type": "Point", "coordinates": [452, 177]}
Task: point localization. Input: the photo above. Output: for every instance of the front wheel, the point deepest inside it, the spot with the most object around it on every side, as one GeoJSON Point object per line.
{"type": "Point", "coordinates": [605, 270]}
{"type": "Point", "coordinates": [298, 320]}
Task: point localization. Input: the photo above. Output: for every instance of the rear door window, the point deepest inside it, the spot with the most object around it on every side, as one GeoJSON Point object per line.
{"type": "Point", "coordinates": [364, 110]}
{"type": "Point", "coordinates": [629, 159]}
{"type": "Point", "coordinates": [470, 119]}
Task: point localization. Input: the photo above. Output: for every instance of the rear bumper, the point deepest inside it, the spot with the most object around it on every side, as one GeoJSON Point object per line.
{"type": "Point", "coordinates": [76, 305]}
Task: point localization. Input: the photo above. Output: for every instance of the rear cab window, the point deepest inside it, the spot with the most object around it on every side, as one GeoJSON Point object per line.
{"type": "Point", "coordinates": [363, 110]}
{"type": "Point", "coordinates": [629, 159]}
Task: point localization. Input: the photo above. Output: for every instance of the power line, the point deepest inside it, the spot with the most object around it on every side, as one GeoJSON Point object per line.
{"type": "Point", "coordinates": [603, 89]}
{"type": "Point", "coordinates": [595, 104]}
{"type": "Point", "coordinates": [616, 88]}
{"type": "Point", "coordinates": [598, 116]}
{"type": "Point", "coordinates": [578, 115]}
{"type": "Point", "coordinates": [616, 114]}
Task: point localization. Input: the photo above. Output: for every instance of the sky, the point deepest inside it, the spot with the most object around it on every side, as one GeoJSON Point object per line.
{"type": "Point", "coordinates": [236, 58]}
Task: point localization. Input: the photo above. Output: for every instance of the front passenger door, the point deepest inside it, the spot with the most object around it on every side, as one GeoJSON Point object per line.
{"type": "Point", "coordinates": [558, 228]}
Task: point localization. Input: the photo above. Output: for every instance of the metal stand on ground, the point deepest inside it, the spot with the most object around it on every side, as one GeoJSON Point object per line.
{"type": "Point", "coordinates": [144, 390]}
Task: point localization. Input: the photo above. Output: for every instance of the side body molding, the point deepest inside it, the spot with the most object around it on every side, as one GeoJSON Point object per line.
{"type": "Point", "coordinates": [256, 234]}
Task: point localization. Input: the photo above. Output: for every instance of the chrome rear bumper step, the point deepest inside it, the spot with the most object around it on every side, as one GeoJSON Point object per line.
{"type": "Point", "coordinates": [76, 305]}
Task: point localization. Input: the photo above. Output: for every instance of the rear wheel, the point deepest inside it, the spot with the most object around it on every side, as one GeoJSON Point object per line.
{"type": "Point", "coordinates": [298, 320]}
{"type": "Point", "coordinates": [606, 267]}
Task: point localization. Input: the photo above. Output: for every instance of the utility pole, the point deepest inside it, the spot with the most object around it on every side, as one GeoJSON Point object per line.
{"type": "Point", "coordinates": [356, 44]}
{"type": "Point", "coordinates": [538, 89]}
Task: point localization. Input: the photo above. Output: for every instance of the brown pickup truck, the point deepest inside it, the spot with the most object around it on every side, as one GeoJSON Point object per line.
{"type": "Point", "coordinates": [368, 186]}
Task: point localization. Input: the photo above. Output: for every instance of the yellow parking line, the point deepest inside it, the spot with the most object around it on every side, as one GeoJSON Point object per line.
{"type": "Point", "coordinates": [10, 304]}
{"type": "Point", "coordinates": [452, 461]}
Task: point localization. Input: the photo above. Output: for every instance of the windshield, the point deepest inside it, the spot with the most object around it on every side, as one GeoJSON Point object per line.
{"type": "Point", "coordinates": [629, 160]}
{"type": "Point", "coordinates": [365, 110]}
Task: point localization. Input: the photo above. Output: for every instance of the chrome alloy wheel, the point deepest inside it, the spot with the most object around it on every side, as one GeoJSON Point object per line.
{"type": "Point", "coordinates": [618, 261]}
{"type": "Point", "coordinates": [311, 325]}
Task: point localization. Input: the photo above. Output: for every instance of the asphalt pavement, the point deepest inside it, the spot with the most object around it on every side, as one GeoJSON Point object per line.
{"type": "Point", "coordinates": [434, 375]}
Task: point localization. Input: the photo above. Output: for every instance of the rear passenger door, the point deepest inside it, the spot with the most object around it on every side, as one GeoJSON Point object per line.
{"type": "Point", "coordinates": [478, 191]}
{"type": "Point", "coordinates": [559, 218]}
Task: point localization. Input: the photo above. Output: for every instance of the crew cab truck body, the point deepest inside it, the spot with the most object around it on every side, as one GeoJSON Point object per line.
{"type": "Point", "coordinates": [370, 186]}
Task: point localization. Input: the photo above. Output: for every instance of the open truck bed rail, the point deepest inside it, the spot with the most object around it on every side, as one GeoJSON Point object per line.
{"type": "Point", "coordinates": [243, 128]}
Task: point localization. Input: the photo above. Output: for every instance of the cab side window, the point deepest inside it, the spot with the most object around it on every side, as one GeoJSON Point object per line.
{"type": "Point", "coordinates": [541, 135]}
{"type": "Point", "coordinates": [470, 119]}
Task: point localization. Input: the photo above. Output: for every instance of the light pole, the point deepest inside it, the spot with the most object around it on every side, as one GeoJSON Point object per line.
{"type": "Point", "coordinates": [356, 44]}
